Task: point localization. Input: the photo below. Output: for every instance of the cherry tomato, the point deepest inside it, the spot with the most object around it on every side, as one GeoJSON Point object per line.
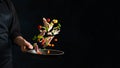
{"type": "Point", "coordinates": [48, 19]}
{"type": "Point", "coordinates": [39, 27]}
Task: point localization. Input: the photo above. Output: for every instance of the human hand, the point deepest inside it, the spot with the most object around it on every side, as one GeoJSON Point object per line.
{"type": "Point", "coordinates": [24, 44]}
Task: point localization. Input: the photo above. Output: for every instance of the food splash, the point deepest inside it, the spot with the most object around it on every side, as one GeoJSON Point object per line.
{"type": "Point", "coordinates": [47, 32]}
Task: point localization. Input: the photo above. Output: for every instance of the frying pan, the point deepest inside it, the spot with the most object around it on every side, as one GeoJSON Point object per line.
{"type": "Point", "coordinates": [46, 52]}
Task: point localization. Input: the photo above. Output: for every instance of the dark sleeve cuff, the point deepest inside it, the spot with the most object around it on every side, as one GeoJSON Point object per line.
{"type": "Point", "coordinates": [15, 34]}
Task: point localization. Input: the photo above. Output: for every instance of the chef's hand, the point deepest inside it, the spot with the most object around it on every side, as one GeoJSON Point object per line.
{"type": "Point", "coordinates": [24, 44]}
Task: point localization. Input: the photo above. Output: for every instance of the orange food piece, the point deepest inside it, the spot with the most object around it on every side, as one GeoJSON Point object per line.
{"type": "Point", "coordinates": [56, 39]}
{"type": "Point", "coordinates": [52, 45]}
{"type": "Point", "coordinates": [48, 51]}
{"type": "Point", "coordinates": [49, 44]}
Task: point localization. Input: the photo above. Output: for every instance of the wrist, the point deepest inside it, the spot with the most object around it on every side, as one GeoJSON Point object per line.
{"type": "Point", "coordinates": [19, 40]}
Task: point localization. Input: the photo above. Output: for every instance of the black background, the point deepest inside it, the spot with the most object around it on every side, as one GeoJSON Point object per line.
{"type": "Point", "coordinates": [89, 35]}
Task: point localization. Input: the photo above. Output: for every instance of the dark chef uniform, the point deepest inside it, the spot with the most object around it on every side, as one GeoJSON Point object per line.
{"type": "Point", "coordinates": [9, 29]}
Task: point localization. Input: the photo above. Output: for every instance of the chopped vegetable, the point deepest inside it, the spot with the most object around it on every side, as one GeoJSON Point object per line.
{"type": "Point", "coordinates": [47, 33]}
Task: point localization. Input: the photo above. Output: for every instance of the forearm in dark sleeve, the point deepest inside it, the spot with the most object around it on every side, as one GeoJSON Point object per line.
{"type": "Point", "coordinates": [15, 25]}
